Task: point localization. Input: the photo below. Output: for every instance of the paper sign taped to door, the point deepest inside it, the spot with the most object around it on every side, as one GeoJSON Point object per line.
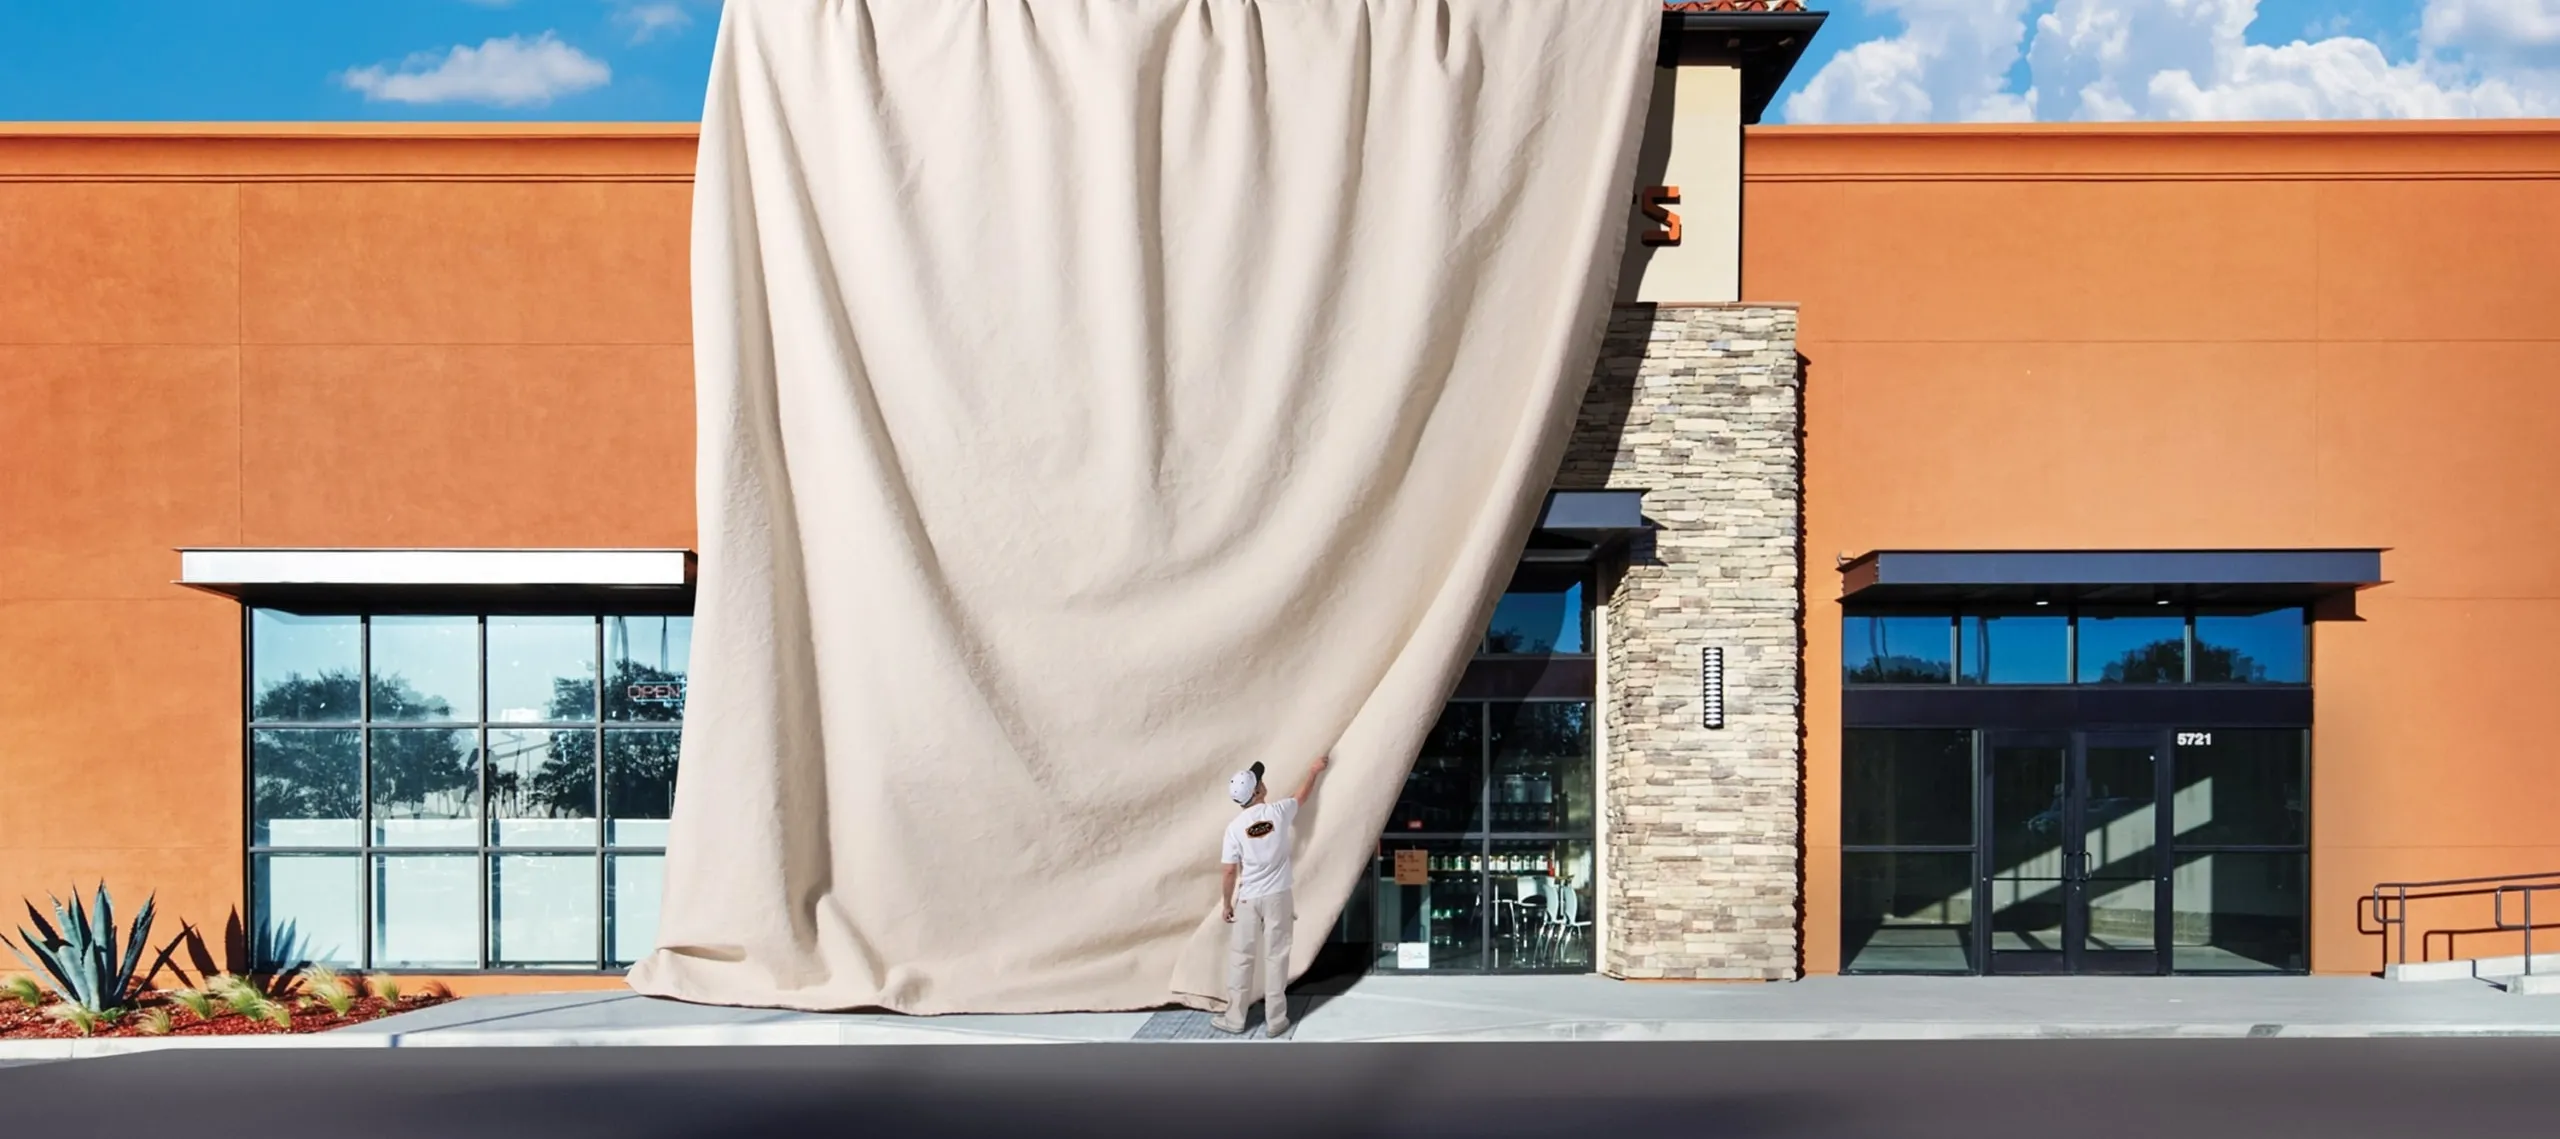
{"type": "Point", "coordinates": [1413, 868]}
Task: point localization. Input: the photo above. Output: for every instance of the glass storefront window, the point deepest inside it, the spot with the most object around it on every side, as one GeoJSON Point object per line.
{"type": "Point", "coordinates": [307, 673]}
{"type": "Point", "coordinates": [1537, 623]}
{"type": "Point", "coordinates": [2242, 787]}
{"type": "Point", "coordinates": [426, 669]}
{"type": "Point", "coordinates": [542, 669]}
{"type": "Point", "coordinates": [1541, 767]}
{"type": "Point", "coordinates": [307, 907]}
{"type": "Point", "coordinates": [2016, 649]}
{"type": "Point", "coordinates": [1444, 793]}
{"type": "Point", "coordinates": [1542, 898]}
{"type": "Point", "coordinates": [2239, 912]}
{"type": "Point", "coordinates": [1509, 884]}
{"type": "Point", "coordinates": [2270, 646]}
{"type": "Point", "coordinates": [2133, 648]}
{"type": "Point", "coordinates": [1879, 649]}
{"type": "Point", "coordinates": [1906, 787]}
{"type": "Point", "coordinates": [306, 787]}
{"type": "Point", "coordinates": [428, 829]}
{"type": "Point", "coordinates": [1437, 923]}
{"type": "Point", "coordinates": [645, 661]}
{"type": "Point", "coordinates": [1907, 912]}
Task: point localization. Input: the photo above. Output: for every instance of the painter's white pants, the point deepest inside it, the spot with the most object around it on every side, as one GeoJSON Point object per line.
{"type": "Point", "coordinates": [1262, 927]}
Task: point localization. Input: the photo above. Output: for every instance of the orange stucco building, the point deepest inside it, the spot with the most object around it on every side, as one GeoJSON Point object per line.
{"type": "Point", "coordinates": [2063, 338]}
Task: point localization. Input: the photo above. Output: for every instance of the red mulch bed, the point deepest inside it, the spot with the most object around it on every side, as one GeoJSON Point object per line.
{"type": "Point", "coordinates": [18, 1022]}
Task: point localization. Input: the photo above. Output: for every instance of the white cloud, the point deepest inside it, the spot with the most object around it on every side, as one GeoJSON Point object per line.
{"type": "Point", "coordinates": [511, 72]}
{"type": "Point", "coordinates": [2515, 32]}
{"type": "Point", "coordinates": [2191, 59]}
{"type": "Point", "coordinates": [1950, 64]}
{"type": "Point", "coordinates": [648, 20]}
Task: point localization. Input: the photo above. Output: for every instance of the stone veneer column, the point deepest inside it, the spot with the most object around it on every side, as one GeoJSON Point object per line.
{"type": "Point", "coordinates": [1701, 407]}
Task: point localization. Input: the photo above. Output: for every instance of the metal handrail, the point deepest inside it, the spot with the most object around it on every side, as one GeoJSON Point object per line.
{"type": "Point", "coordinates": [2386, 916]}
{"type": "Point", "coordinates": [2498, 911]}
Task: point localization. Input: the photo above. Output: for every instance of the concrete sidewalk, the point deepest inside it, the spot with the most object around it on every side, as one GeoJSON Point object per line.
{"type": "Point", "coordinates": [1393, 1009]}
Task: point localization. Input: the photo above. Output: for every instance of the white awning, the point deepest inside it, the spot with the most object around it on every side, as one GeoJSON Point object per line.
{"type": "Point", "coordinates": [241, 573]}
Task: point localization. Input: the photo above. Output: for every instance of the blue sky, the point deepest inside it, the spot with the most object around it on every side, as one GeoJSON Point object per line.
{"type": "Point", "coordinates": [1877, 60]}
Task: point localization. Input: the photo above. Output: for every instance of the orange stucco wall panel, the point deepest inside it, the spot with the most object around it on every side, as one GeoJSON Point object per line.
{"type": "Point", "coordinates": [119, 263]}
{"type": "Point", "coordinates": [1986, 445]}
{"type": "Point", "coordinates": [2439, 259]}
{"type": "Point", "coordinates": [429, 445]}
{"type": "Point", "coordinates": [123, 755]}
{"type": "Point", "coordinates": [91, 513]}
{"type": "Point", "coordinates": [2445, 451]}
{"type": "Point", "coordinates": [2201, 336]}
{"type": "Point", "coordinates": [464, 263]}
{"type": "Point", "coordinates": [2081, 261]}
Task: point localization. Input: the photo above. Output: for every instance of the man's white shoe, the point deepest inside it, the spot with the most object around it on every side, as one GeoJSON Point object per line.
{"type": "Point", "coordinates": [1220, 1023]}
{"type": "Point", "coordinates": [1278, 1028]}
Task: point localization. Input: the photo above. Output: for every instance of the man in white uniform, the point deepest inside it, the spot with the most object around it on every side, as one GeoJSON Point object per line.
{"type": "Point", "coordinates": [1257, 852]}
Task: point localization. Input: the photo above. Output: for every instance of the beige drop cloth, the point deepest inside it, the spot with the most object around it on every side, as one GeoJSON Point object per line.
{"type": "Point", "coordinates": [1097, 396]}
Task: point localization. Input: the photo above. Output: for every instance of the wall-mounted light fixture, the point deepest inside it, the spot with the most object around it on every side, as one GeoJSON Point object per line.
{"type": "Point", "coordinates": [1711, 687]}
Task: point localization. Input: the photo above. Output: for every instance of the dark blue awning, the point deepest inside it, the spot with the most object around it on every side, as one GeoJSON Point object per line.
{"type": "Point", "coordinates": [1580, 525]}
{"type": "Point", "coordinates": [1999, 576]}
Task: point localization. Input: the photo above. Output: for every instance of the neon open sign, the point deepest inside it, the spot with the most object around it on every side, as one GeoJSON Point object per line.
{"type": "Point", "coordinates": [662, 692]}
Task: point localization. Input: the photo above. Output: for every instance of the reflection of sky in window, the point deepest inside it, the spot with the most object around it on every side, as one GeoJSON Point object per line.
{"type": "Point", "coordinates": [2017, 650]}
{"type": "Point", "coordinates": [2129, 641]}
{"type": "Point", "coordinates": [286, 646]}
{"type": "Point", "coordinates": [2273, 643]}
{"type": "Point", "coordinates": [660, 644]}
{"type": "Point", "coordinates": [1541, 622]}
{"type": "Point", "coordinates": [1895, 650]}
{"type": "Point", "coordinates": [529, 656]}
{"type": "Point", "coordinates": [437, 657]}
{"type": "Point", "coordinates": [289, 644]}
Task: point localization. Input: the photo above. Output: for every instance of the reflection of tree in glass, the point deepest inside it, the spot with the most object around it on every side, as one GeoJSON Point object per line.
{"type": "Point", "coordinates": [309, 775]}
{"type": "Point", "coordinates": [413, 768]}
{"type": "Point", "coordinates": [641, 766]}
{"type": "Point", "coordinates": [1505, 642]}
{"type": "Point", "coordinates": [2164, 662]}
{"type": "Point", "coordinates": [306, 775]}
{"type": "Point", "coordinates": [2222, 664]}
{"type": "Point", "coordinates": [1899, 670]}
{"type": "Point", "coordinates": [640, 775]}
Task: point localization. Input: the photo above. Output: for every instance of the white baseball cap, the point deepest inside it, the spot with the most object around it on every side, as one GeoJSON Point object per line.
{"type": "Point", "coordinates": [1241, 785]}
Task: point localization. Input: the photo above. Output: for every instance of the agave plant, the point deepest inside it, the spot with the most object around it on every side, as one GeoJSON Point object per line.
{"type": "Point", "coordinates": [83, 958]}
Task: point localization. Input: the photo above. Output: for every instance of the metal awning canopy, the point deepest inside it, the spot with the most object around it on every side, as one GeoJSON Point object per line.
{"type": "Point", "coordinates": [1580, 525]}
{"type": "Point", "coordinates": [443, 576]}
{"type": "Point", "coordinates": [1939, 577]}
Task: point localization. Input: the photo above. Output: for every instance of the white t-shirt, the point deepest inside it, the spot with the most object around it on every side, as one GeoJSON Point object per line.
{"type": "Point", "coordinates": [1258, 845]}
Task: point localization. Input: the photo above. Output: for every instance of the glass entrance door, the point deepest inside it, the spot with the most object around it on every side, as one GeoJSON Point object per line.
{"type": "Point", "coordinates": [2073, 869]}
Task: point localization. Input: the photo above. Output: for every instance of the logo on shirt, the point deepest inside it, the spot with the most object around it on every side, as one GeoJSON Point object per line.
{"type": "Point", "coordinates": [1258, 830]}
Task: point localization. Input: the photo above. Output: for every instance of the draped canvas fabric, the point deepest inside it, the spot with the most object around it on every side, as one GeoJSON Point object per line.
{"type": "Point", "coordinates": [1098, 396]}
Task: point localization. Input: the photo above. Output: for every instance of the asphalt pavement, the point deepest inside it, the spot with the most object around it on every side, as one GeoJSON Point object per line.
{"type": "Point", "coordinates": [2086, 1089]}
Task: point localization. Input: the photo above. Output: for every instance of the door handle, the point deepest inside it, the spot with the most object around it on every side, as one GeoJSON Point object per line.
{"type": "Point", "coordinates": [2084, 866]}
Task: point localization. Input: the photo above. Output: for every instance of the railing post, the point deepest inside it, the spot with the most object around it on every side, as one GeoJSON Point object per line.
{"type": "Point", "coordinates": [2528, 931]}
{"type": "Point", "coordinates": [2403, 919]}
